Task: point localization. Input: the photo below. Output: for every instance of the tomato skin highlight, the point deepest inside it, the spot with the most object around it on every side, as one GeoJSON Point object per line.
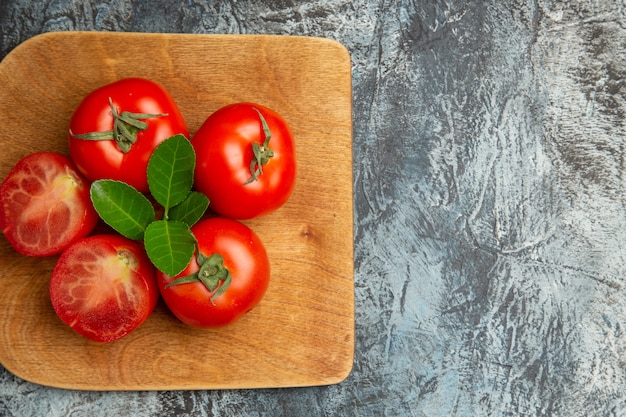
{"type": "Point", "coordinates": [103, 287]}
{"type": "Point", "coordinates": [45, 205]}
{"type": "Point", "coordinates": [246, 259]}
{"type": "Point", "coordinates": [223, 146]}
{"type": "Point", "coordinates": [98, 159]}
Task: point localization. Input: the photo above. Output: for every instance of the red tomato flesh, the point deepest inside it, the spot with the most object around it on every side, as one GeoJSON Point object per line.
{"type": "Point", "coordinates": [246, 259]}
{"type": "Point", "coordinates": [45, 205]}
{"type": "Point", "coordinates": [104, 287]}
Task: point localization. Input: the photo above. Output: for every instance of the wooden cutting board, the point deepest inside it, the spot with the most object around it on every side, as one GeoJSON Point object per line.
{"type": "Point", "coordinates": [302, 333]}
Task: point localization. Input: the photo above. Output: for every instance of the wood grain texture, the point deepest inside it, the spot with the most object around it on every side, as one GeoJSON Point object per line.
{"type": "Point", "coordinates": [302, 333]}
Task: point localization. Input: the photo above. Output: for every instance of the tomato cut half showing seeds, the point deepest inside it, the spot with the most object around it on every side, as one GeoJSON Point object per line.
{"type": "Point", "coordinates": [45, 205]}
{"type": "Point", "coordinates": [104, 287]}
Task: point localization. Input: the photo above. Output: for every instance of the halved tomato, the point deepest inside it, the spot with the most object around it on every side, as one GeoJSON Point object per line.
{"type": "Point", "coordinates": [45, 205]}
{"type": "Point", "coordinates": [104, 287]}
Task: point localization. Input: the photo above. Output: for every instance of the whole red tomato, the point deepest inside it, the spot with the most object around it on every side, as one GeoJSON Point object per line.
{"type": "Point", "coordinates": [115, 129]}
{"type": "Point", "coordinates": [245, 160]}
{"type": "Point", "coordinates": [103, 287]}
{"type": "Point", "coordinates": [229, 279]}
{"type": "Point", "coordinates": [45, 205]}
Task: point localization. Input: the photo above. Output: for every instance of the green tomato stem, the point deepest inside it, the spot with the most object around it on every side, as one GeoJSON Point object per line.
{"type": "Point", "coordinates": [126, 125]}
{"type": "Point", "coordinates": [262, 153]}
{"type": "Point", "coordinates": [212, 274]}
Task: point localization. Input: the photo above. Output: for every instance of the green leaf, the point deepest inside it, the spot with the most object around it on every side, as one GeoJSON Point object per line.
{"type": "Point", "coordinates": [191, 209]}
{"type": "Point", "coordinates": [122, 207]}
{"type": "Point", "coordinates": [169, 245]}
{"type": "Point", "coordinates": [170, 171]}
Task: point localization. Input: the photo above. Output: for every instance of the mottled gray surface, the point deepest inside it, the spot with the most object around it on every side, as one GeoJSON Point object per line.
{"type": "Point", "coordinates": [489, 176]}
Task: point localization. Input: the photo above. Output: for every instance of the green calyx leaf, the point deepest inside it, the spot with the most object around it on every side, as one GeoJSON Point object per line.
{"type": "Point", "coordinates": [212, 274]}
{"type": "Point", "coordinates": [262, 153]}
{"type": "Point", "coordinates": [170, 171]}
{"type": "Point", "coordinates": [126, 125]}
{"type": "Point", "coordinates": [169, 242]}
{"type": "Point", "coordinates": [122, 207]}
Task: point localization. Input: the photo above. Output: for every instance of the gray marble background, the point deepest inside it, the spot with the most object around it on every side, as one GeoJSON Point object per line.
{"type": "Point", "coordinates": [489, 176]}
